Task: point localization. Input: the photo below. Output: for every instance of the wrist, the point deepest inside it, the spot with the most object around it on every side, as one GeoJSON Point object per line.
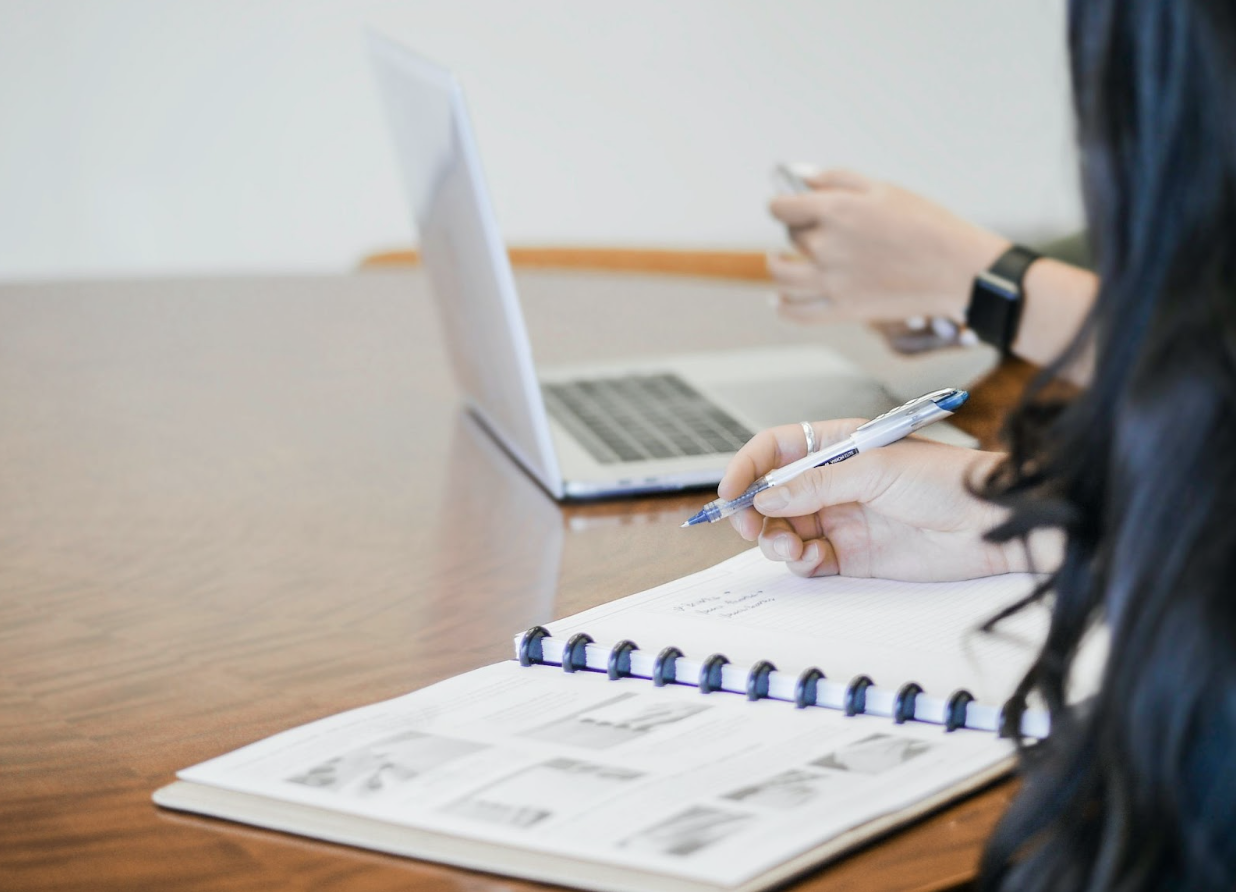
{"type": "Point", "coordinates": [1041, 552]}
{"type": "Point", "coordinates": [984, 250]}
{"type": "Point", "coordinates": [976, 253]}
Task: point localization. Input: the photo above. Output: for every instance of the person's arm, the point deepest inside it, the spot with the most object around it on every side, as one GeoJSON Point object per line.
{"type": "Point", "coordinates": [872, 250]}
{"type": "Point", "coordinates": [901, 512]}
{"type": "Point", "coordinates": [1056, 298]}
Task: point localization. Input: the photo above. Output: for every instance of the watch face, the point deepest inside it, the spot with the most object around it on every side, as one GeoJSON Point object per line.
{"type": "Point", "coordinates": [995, 303]}
{"type": "Point", "coordinates": [1006, 288]}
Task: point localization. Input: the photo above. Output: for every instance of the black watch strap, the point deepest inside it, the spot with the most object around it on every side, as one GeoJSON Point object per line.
{"type": "Point", "coordinates": [996, 298]}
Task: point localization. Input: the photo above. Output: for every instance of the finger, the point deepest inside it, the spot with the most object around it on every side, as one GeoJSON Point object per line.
{"type": "Point", "coordinates": [748, 523]}
{"type": "Point", "coordinates": [792, 272]}
{"type": "Point", "coordinates": [796, 300]}
{"type": "Point", "coordinates": [805, 311]}
{"type": "Point", "coordinates": [839, 178]}
{"type": "Point", "coordinates": [783, 539]}
{"type": "Point", "coordinates": [798, 211]}
{"type": "Point", "coordinates": [756, 457]}
{"type": "Point", "coordinates": [779, 542]}
{"type": "Point", "coordinates": [818, 558]}
{"type": "Point", "coordinates": [813, 242]}
{"type": "Point", "coordinates": [823, 308]}
{"type": "Point", "coordinates": [860, 480]}
{"type": "Point", "coordinates": [806, 527]}
{"type": "Point", "coordinates": [775, 447]}
{"type": "Point", "coordinates": [803, 298]}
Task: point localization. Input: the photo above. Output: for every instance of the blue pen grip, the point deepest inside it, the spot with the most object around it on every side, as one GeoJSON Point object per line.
{"type": "Point", "coordinates": [743, 501]}
{"type": "Point", "coordinates": [746, 500]}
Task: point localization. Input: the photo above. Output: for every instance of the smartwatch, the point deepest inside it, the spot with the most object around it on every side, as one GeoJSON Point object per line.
{"type": "Point", "coordinates": [996, 298]}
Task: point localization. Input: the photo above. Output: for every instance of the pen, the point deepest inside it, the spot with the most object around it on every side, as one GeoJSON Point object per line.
{"type": "Point", "coordinates": [888, 428]}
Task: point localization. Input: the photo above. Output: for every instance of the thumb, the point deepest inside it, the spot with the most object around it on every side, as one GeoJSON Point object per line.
{"type": "Point", "coordinates": [860, 479]}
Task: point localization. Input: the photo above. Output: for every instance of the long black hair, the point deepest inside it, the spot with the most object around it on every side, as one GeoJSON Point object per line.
{"type": "Point", "coordinates": [1136, 788]}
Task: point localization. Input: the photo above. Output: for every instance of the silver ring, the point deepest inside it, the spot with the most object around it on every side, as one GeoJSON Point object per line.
{"type": "Point", "coordinates": [810, 432]}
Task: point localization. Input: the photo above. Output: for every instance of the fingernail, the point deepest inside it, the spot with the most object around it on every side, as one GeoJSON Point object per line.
{"type": "Point", "coordinates": [781, 547]}
{"type": "Point", "coordinates": [811, 554]}
{"type": "Point", "coordinates": [771, 500]}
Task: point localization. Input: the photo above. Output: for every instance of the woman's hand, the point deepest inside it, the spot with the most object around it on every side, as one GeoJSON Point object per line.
{"type": "Point", "coordinates": [900, 512]}
{"type": "Point", "coordinates": [871, 250]}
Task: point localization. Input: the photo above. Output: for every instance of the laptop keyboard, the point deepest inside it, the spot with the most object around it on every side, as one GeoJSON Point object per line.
{"type": "Point", "coordinates": [641, 417]}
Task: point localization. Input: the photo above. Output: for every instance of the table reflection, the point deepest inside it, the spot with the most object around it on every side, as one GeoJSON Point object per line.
{"type": "Point", "coordinates": [499, 541]}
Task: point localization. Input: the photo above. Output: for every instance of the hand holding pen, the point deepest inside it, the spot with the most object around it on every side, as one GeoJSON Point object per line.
{"type": "Point", "coordinates": [888, 428]}
{"type": "Point", "coordinates": [900, 512]}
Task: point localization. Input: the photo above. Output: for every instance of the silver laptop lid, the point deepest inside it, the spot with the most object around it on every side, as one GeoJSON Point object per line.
{"type": "Point", "coordinates": [463, 254]}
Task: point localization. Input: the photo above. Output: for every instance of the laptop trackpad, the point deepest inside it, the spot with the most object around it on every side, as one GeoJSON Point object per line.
{"type": "Point", "coordinates": [786, 400]}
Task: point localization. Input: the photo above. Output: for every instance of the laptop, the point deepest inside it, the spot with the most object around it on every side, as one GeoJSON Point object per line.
{"type": "Point", "coordinates": [644, 426]}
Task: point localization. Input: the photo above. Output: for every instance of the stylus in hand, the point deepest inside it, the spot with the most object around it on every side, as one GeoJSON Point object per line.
{"type": "Point", "coordinates": [888, 428]}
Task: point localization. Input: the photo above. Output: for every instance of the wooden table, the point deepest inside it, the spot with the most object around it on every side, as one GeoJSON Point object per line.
{"type": "Point", "coordinates": [231, 506]}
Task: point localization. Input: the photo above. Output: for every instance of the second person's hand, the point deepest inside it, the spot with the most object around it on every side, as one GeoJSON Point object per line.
{"type": "Point", "coordinates": [872, 250]}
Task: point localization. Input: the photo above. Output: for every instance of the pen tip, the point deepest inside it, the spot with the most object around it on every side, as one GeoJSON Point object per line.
{"type": "Point", "coordinates": [699, 517]}
{"type": "Point", "coordinates": [685, 524]}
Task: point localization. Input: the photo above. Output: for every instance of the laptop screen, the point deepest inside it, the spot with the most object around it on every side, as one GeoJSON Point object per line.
{"type": "Point", "coordinates": [463, 255]}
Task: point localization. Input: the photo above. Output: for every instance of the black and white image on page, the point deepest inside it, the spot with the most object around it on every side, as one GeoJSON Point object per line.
{"type": "Point", "coordinates": [625, 718]}
{"type": "Point", "coordinates": [688, 832]}
{"type": "Point", "coordinates": [541, 792]}
{"type": "Point", "coordinates": [379, 768]}
{"type": "Point", "coordinates": [690, 788]}
{"type": "Point", "coordinates": [785, 790]}
{"type": "Point", "coordinates": [874, 754]}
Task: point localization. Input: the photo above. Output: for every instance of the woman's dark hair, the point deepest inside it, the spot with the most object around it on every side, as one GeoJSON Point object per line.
{"type": "Point", "coordinates": [1136, 788]}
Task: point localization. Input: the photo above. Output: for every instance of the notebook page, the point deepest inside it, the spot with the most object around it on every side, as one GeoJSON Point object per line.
{"type": "Point", "coordinates": [750, 608]}
{"type": "Point", "coordinates": [616, 772]}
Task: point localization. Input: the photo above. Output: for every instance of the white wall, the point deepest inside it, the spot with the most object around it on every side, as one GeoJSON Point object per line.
{"type": "Point", "coordinates": [152, 137]}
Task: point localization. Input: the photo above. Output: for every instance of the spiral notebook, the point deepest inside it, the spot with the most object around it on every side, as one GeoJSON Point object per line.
{"type": "Point", "coordinates": [726, 731]}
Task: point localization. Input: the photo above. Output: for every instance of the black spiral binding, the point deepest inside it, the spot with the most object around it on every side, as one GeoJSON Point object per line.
{"type": "Point", "coordinates": [710, 673]}
{"type": "Point", "coordinates": [530, 646]}
{"type": "Point", "coordinates": [620, 659]}
{"type": "Point", "coordinates": [903, 705]}
{"type": "Point", "coordinates": [955, 710]}
{"type": "Point", "coordinates": [757, 680]}
{"type": "Point", "coordinates": [856, 695]}
{"type": "Point", "coordinates": [663, 666]}
{"type": "Point", "coordinates": [805, 687]}
{"type": "Point", "coordinates": [576, 656]}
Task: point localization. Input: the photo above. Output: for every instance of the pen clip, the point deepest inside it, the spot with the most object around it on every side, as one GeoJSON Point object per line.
{"type": "Point", "coordinates": [910, 407]}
